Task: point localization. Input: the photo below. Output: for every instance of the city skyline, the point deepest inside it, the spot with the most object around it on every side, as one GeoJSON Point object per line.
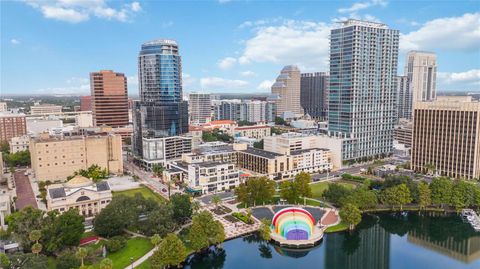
{"type": "Point", "coordinates": [244, 52]}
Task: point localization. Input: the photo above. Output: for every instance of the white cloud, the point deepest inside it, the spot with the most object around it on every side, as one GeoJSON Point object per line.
{"type": "Point", "coordinates": [265, 85]}
{"type": "Point", "coordinates": [14, 41]}
{"type": "Point", "coordinates": [470, 76]}
{"type": "Point", "coordinates": [227, 63]}
{"type": "Point", "coordinates": [188, 81]}
{"type": "Point", "coordinates": [353, 10]}
{"type": "Point", "coordinates": [217, 83]}
{"type": "Point", "coordinates": [467, 80]}
{"type": "Point", "coordinates": [455, 33]}
{"type": "Point", "coordinates": [247, 73]}
{"type": "Point", "coordinates": [75, 11]}
{"type": "Point", "coordinates": [73, 85]}
{"type": "Point", "coordinates": [132, 83]}
{"type": "Point", "coordinates": [303, 43]}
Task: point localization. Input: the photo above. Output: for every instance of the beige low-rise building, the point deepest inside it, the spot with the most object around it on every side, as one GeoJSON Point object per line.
{"type": "Point", "coordinates": [257, 131]}
{"type": "Point", "coordinates": [19, 143]}
{"type": "Point", "coordinates": [56, 158]}
{"type": "Point", "coordinates": [80, 193]}
{"type": "Point", "coordinates": [45, 109]}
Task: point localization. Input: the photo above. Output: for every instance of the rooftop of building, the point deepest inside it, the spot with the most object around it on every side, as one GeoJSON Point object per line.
{"type": "Point", "coordinates": [262, 153]}
{"type": "Point", "coordinates": [252, 127]}
{"type": "Point", "coordinates": [351, 22]}
{"type": "Point", "coordinates": [8, 114]}
{"type": "Point", "coordinates": [73, 185]}
{"type": "Point", "coordinates": [301, 151]}
{"type": "Point", "coordinates": [158, 42]}
{"type": "Point", "coordinates": [216, 122]}
{"type": "Point", "coordinates": [208, 150]}
{"type": "Point", "coordinates": [44, 138]}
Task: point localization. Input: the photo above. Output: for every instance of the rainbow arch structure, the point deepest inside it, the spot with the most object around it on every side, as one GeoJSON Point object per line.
{"type": "Point", "coordinates": [293, 223]}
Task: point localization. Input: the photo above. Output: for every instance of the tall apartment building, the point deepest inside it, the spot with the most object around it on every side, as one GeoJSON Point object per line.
{"type": "Point", "coordinates": [12, 125]}
{"type": "Point", "coordinates": [446, 135]}
{"type": "Point", "coordinates": [244, 110]}
{"type": "Point", "coordinates": [287, 88]}
{"type": "Point", "coordinates": [45, 109]}
{"type": "Point", "coordinates": [421, 70]}
{"type": "Point", "coordinates": [86, 103]}
{"type": "Point", "coordinates": [57, 158]}
{"type": "Point", "coordinates": [3, 107]}
{"type": "Point", "coordinates": [314, 94]}
{"type": "Point", "coordinates": [362, 93]}
{"type": "Point", "coordinates": [200, 107]}
{"type": "Point", "coordinates": [161, 112]}
{"type": "Point", "coordinates": [109, 98]}
{"type": "Point", "coordinates": [404, 98]}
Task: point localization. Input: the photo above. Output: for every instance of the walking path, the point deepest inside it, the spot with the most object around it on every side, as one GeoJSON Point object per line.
{"type": "Point", "coordinates": [25, 195]}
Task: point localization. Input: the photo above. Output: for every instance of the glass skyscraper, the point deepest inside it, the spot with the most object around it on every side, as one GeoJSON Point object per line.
{"type": "Point", "coordinates": [160, 111]}
{"type": "Point", "coordinates": [362, 94]}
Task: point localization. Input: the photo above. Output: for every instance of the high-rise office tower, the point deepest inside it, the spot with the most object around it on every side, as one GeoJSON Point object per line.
{"type": "Point", "coordinates": [161, 112]}
{"type": "Point", "coordinates": [446, 137]}
{"type": "Point", "coordinates": [314, 94]}
{"type": "Point", "coordinates": [200, 107]}
{"type": "Point", "coordinates": [109, 98]}
{"type": "Point", "coordinates": [287, 87]}
{"type": "Point", "coordinates": [404, 98]}
{"type": "Point", "coordinates": [362, 93]}
{"type": "Point", "coordinates": [421, 70]}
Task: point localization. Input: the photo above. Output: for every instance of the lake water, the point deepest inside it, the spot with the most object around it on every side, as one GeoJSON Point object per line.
{"type": "Point", "coordinates": [380, 241]}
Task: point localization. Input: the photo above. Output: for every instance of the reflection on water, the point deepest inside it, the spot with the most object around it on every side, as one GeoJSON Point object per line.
{"type": "Point", "coordinates": [421, 240]}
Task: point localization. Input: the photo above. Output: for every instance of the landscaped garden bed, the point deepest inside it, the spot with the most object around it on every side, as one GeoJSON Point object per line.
{"type": "Point", "coordinates": [221, 210]}
{"type": "Point", "coordinates": [242, 217]}
{"type": "Point", "coordinates": [231, 219]}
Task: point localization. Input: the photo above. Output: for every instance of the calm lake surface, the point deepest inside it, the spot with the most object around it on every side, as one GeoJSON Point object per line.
{"type": "Point", "coordinates": [381, 241]}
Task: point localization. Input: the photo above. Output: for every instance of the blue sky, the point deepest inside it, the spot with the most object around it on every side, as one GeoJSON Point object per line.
{"type": "Point", "coordinates": [50, 46]}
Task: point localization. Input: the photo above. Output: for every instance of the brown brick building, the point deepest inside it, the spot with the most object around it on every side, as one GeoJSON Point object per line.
{"type": "Point", "coordinates": [446, 136]}
{"type": "Point", "coordinates": [12, 125]}
{"type": "Point", "coordinates": [109, 98]}
{"type": "Point", "coordinates": [86, 103]}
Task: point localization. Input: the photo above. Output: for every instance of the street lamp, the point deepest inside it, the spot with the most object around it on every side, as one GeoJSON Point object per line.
{"type": "Point", "coordinates": [131, 261]}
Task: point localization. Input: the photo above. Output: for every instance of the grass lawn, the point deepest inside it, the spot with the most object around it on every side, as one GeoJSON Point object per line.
{"type": "Point", "coordinates": [136, 248]}
{"type": "Point", "coordinates": [146, 192]}
{"type": "Point", "coordinates": [320, 187]}
{"type": "Point", "coordinates": [144, 265]}
{"type": "Point", "coordinates": [337, 228]}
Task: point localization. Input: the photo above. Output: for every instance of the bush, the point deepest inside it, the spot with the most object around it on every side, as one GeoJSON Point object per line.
{"type": "Point", "coordinates": [67, 260]}
{"type": "Point", "coordinates": [116, 243]}
{"type": "Point", "coordinates": [353, 178]}
{"type": "Point", "coordinates": [242, 217]}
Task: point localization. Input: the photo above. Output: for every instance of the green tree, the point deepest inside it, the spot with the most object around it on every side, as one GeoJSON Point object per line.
{"type": "Point", "coordinates": [289, 192]}
{"type": "Point", "coordinates": [216, 200]}
{"type": "Point", "coordinates": [242, 193]}
{"type": "Point", "coordinates": [21, 158]}
{"type": "Point", "coordinates": [256, 190]}
{"type": "Point", "coordinates": [159, 221]}
{"type": "Point", "coordinates": [94, 172]}
{"type": "Point", "coordinates": [81, 254]}
{"type": "Point", "coordinates": [116, 216]}
{"type": "Point", "coordinates": [115, 243]}
{"type": "Point", "coordinates": [106, 264]}
{"type": "Point", "coordinates": [335, 193]}
{"type": "Point", "coordinates": [158, 169]}
{"type": "Point", "coordinates": [280, 121]}
{"type": "Point", "coordinates": [205, 231]}
{"type": "Point", "coordinates": [351, 215]}
{"type": "Point", "coordinates": [441, 189]}
{"type": "Point", "coordinates": [429, 168]}
{"type": "Point", "coordinates": [361, 197]}
{"type": "Point", "coordinates": [265, 231]}
{"type": "Point", "coordinates": [4, 146]}
{"type": "Point", "coordinates": [302, 184]}
{"type": "Point", "coordinates": [37, 248]}
{"type": "Point", "coordinates": [62, 230]}
{"type": "Point", "coordinates": [155, 239]}
{"type": "Point", "coordinates": [182, 207]}
{"type": "Point", "coordinates": [424, 195]}
{"type": "Point", "coordinates": [171, 252]}
{"type": "Point", "coordinates": [258, 144]}
{"type": "Point", "coordinates": [4, 261]}
{"type": "Point", "coordinates": [67, 260]}
{"type": "Point", "coordinates": [463, 194]}
{"type": "Point", "coordinates": [397, 196]}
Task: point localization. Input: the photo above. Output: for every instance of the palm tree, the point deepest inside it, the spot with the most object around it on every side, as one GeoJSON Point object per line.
{"type": "Point", "coordinates": [216, 200]}
{"type": "Point", "coordinates": [81, 254]}
{"type": "Point", "coordinates": [158, 169]}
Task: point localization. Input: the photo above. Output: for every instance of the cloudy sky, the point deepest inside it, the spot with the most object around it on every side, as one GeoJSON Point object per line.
{"type": "Point", "coordinates": [50, 46]}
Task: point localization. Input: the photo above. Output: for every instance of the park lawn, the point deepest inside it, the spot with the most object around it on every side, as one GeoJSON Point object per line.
{"type": "Point", "coordinates": [342, 226]}
{"type": "Point", "coordinates": [136, 248]}
{"type": "Point", "coordinates": [146, 192]}
{"type": "Point", "coordinates": [145, 265]}
{"type": "Point", "coordinates": [320, 187]}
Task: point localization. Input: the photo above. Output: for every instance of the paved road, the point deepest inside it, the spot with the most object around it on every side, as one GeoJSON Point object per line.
{"type": "Point", "coordinates": [25, 195]}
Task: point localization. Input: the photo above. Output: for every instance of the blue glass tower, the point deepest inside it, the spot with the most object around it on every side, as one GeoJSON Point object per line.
{"type": "Point", "coordinates": [161, 111]}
